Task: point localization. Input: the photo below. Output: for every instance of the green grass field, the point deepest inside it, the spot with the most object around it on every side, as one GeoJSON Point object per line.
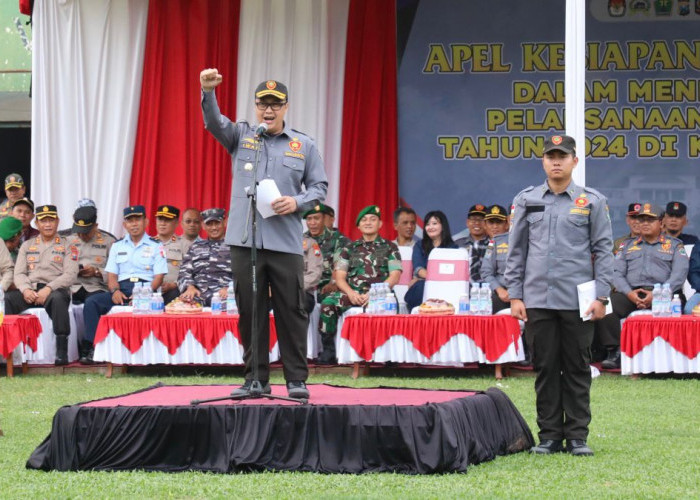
{"type": "Point", "coordinates": [645, 433]}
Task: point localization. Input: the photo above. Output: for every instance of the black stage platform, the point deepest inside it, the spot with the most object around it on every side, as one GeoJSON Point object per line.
{"type": "Point", "coordinates": [342, 429]}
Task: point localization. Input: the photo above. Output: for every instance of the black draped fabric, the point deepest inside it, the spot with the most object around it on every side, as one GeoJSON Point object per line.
{"type": "Point", "coordinates": [420, 439]}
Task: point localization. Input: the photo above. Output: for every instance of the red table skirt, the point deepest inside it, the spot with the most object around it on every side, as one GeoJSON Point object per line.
{"type": "Point", "coordinates": [683, 334]}
{"type": "Point", "coordinates": [492, 334]}
{"type": "Point", "coordinates": [17, 329]}
{"type": "Point", "coordinates": [171, 329]}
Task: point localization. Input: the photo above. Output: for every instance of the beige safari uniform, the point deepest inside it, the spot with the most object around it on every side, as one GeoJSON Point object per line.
{"type": "Point", "coordinates": [94, 253]}
{"type": "Point", "coordinates": [313, 263]}
{"type": "Point", "coordinates": [175, 249]}
{"type": "Point", "coordinates": [7, 267]}
{"type": "Point", "coordinates": [51, 263]}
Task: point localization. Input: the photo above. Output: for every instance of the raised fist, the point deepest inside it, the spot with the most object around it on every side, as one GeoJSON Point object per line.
{"type": "Point", "coordinates": [209, 79]}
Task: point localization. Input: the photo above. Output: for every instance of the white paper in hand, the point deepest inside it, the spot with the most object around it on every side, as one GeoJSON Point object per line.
{"type": "Point", "coordinates": [267, 191]}
{"type": "Point", "coordinates": [586, 296]}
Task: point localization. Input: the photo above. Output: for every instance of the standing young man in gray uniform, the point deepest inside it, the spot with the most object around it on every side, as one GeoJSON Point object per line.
{"type": "Point", "coordinates": [292, 160]}
{"type": "Point", "coordinates": [561, 237]}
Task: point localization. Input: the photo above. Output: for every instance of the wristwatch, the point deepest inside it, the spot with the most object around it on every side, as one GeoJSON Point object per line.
{"type": "Point", "coordinates": [603, 300]}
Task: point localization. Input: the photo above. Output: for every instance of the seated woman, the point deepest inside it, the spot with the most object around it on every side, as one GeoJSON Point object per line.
{"type": "Point", "coordinates": [436, 234]}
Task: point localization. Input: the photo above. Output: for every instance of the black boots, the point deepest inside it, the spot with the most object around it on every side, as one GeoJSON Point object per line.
{"type": "Point", "coordinates": [613, 360]}
{"type": "Point", "coordinates": [86, 352]}
{"type": "Point", "coordinates": [61, 350]}
{"type": "Point", "coordinates": [327, 356]}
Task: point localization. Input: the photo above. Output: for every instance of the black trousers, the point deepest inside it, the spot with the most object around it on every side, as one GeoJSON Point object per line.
{"type": "Point", "coordinates": [283, 275]}
{"type": "Point", "coordinates": [560, 345]}
{"type": "Point", "coordinates": [81, 295]}
{"type": "Point", "coordinates": [56, 305]}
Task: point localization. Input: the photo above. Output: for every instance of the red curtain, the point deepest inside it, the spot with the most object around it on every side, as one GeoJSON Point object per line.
{"type": "Point", "coordinates": [369, 154]}
{"type": "Point", "coordinates": [176, 161]}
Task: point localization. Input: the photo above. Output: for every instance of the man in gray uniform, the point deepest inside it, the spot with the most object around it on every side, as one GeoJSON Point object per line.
{"type": "Point", "coordinates": [493, 265]}
{"type": "Point", "coordinates": [291, 159]}
{"type": "Point", "coordinates": [561, 237]}
{"type": "Point", "coordinates": [651, 258]}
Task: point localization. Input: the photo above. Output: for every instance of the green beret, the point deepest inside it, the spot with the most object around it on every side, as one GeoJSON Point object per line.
{"type": "Point", "coordinates": [371, 209]}
{"type": "Point", "coordinates": [318, 209]}
{"type": "Point", "coordinates": [9, 228]}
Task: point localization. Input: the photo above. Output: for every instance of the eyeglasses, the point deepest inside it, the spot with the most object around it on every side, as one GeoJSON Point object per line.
{"type": "Point", "coordinates": [276, 106]}
{"type": "Point", "coordinates": [647, 220]}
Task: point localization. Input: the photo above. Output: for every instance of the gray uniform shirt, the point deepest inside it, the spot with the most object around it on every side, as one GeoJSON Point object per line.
{"type": "Point", "coordinates": [558, 241]}
{"type": "Point", "coordinates": [291, 159]}
{"type": "Point", "coordinates": [639, 264]}
{"type": "Point", "coordinates": [493, 265]}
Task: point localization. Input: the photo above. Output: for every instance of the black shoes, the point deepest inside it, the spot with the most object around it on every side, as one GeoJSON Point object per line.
{"type": "Point", "coordinates": [297, 389]}
{"type": "Point", "coordinates": [87, 352]}
{"type": "Point", "coordinates": [247, 389]}
{"type": "Point", "coordinates": [613, 360]}
{"type": "Point", "coordinates": [578, 447]}
{"type": "Point", "coordinates": [547, 447]}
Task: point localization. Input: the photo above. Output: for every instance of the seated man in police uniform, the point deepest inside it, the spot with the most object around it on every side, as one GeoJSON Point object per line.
{"type": "Point", "coordinates": [93, 247]}
{"type": "Point", "coordinates": [46, 267]}
{"type": "Point", "coordinates": [135, 258]}
{"type": "Point", "coordinates": [370, 259]}
{"type": "Point", "coordinates": [651, 258]}
{"type": "Point", "coordinates": [167, 218]}
{"type": "Point", "coordinates": [675, 220]}
{"type": "Point", "coordinates": [206, 268]}
{"type": "Point", "coordinates": [632, 223]}
{"type": "Point", "coordinates": [10, 231]}
{"type": "Point", "coordinates": [493, 265]}
{"type": "Point", "coordinates": [474, 239]}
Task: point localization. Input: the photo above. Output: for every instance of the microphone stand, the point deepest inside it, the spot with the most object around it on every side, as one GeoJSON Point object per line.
{"type": "Point", "coordinates": [256, 389]}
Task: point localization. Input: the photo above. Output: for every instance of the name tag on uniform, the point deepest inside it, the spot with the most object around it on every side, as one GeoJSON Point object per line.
{"type": "Point", "coordinates": [147, 252]}
{"type": "Point", "coordinates": [534, 208]}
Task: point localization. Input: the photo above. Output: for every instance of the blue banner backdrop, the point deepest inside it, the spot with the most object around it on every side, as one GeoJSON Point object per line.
{"type": "Point", "coordinates": [481, 84]}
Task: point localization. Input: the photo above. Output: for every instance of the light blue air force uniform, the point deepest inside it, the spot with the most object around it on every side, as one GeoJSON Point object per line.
{"type": "Point", "coordinates": [143, 260]}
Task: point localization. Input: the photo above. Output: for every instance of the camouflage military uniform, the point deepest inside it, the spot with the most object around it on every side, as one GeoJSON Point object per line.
{"type": "Point", "coordinates": [330, 242]}
{"type": "Point", "coordinates": [207, 267]}
{"type": "Point", "coordinates": [366, 262]}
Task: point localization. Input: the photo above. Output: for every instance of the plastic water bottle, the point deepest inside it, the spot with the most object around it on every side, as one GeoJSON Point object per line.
{"type": "Point", "coordinates": [157, 304]}
{"type": "Point", "coordinates": [464, 304]}
{"type": "Point", "coordinates": [676, 306]}
{"type": "Point", "coordinates": [381, 300]}
{"type": "Point", "coordinates": [656, 300]}
{"type": "Point", "coordinates": [487, 304]}
{"type": "Point", "coordinates": [372, 302]}
{"type": "Point", "coordinates": [216, 304]}
{"type": "Point", "coordinates": [666, 300]}
{"type": "Point", "coordinates": [231, 306]}
{"type": "Point", "coordinates": [475, 302]}
{"type": "Point", "coordinates": [392, 306]}
{"type": "Point", "coordinates": [136, 298]}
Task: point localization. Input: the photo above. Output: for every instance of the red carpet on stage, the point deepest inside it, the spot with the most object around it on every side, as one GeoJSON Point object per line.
{"type": "Point", "coordinates": [342, 429]}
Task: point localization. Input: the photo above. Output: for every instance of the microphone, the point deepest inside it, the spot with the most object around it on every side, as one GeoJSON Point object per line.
{"type": "Point", "coordinates": [262, 128]}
